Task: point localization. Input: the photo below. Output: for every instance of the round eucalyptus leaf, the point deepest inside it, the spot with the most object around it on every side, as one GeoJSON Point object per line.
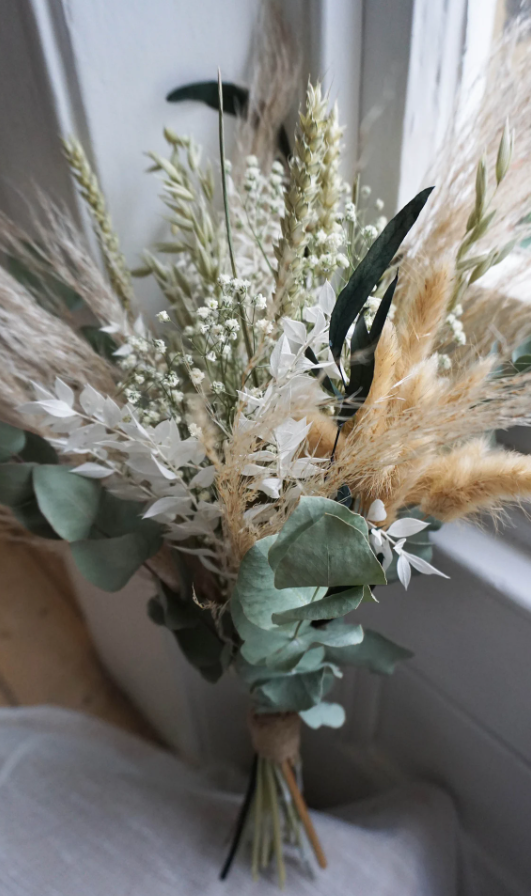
{"type": "Point", "coordinates": [375, 652]}
{"type": "Point", "coordinates": [15, 483]}
{"type": "Point", "coordinates": [329, 714]}
{"type": "Point", "coordinates": [12, 440]}
{"type": "Point", "coordinates": [68, 501]}
{"type": "Point", "coordinates": [37, 450]}
{"type": "Point", "coordinates": [330, 607]}
{"type": "Point", "coordinates": [109, 563]}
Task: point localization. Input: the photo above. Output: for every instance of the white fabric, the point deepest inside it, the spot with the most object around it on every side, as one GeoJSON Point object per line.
{"type": "Point", "coordinates": [86, 810]}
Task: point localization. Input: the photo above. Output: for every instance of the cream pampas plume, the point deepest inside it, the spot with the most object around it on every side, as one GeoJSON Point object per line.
{"type": "Point", "coordinates": [36, 345]}
{"type": "Point", "coordinates": [470, 479]}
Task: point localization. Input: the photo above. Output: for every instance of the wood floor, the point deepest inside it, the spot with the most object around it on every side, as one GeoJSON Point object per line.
{"type": "Point", "coordinates": [46, 655]}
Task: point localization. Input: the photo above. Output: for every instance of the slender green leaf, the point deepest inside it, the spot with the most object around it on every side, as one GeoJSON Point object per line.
{"type": "Point", "coordinates": [102, 343]}
{"type": "Point", "coordinates": [68, 501]}
{"type": "Point", "coordinates": [12, 440]}
{"type": "Point", "coordinates": [371, 269]}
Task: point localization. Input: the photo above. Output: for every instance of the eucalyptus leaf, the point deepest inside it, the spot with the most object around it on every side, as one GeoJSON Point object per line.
{"type": "Point", "coordinates": [117, 516]}
{"type": "Point", "coordinates": [38, 450]}
{"type": "Point", "coordinates": [330, 714]}
{"type": "Point", "coordinates": [295, 693]}
{"type": "Point", "coordinates": [330, 607]}
{"type": "Point", "coordinates": [375, 652]}
{"type": "Point", "coordinates": [68, 501]}
{"type": "Point", "coordinates": [109, 563]}
{"type": "Point", "coordinates": [371, 269]}
{"type": "Point", "coordinates": [16, 485]}
{"type": "Point", "coordinates": [12, 440]}
{"type": "Point", "coordinates": [29, 516]}
{"type": "Point", "coordinates": [255, 587]}
{"type": "Point", "coordinates": [202, 648]}
{"type": "Point", "coordinates": [324, 544]}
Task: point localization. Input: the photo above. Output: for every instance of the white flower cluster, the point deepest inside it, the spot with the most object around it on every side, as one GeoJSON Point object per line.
{"type": "Point", "coordinates": [153, 377]}
{"type": "Point", "coordinates": [325, 253]}
{"type": "Point", "coordinates": [456, 325]}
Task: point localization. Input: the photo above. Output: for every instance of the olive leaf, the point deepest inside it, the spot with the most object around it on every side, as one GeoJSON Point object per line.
{"type": "Point", "coordinates": [235, 102]}
{"type": "Point", "coordinates": [371, 269]}
{"type": "Point", "coordinates": [69, 502]}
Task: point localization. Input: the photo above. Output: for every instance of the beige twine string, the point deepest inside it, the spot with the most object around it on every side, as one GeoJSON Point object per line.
{"type": "Point", "coordinates": [276, 736]}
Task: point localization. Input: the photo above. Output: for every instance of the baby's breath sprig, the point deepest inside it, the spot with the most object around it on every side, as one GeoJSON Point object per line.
{"type": "Point", "coordinates": [90, 191]}
{"type": "Point", "coordinates": [300, 198]}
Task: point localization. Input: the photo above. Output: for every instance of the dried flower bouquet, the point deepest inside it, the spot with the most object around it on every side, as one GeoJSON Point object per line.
{"type": "Point", "coordinates": [318, 397]}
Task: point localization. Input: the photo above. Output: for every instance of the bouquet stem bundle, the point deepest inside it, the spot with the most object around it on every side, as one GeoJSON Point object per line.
{"type": "Point", "coordinates": [274, 810]}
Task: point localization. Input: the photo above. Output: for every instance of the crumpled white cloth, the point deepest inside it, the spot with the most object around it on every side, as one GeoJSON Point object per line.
{"type": "Point", "coordinates": [87, 810]}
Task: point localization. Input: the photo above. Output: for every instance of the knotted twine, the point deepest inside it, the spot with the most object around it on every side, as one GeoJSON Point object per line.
{"type": "Point", "coordinates": [276, 735]}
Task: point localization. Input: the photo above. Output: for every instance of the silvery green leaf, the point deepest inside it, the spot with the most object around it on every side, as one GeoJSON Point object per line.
{"type": "Point", "coordinates": [375, 652]}
{"type": "Point", "coordinates": [205, 477]}
{"type": "Point", "coordinates": [295, 693]}
{"type": "Point", "coordinates": [336, 634]}
{"type": "Point", "coordinates": [93, 471]}
{"type": "Point", "coordinates": [86, 437]}
{"type": "Point", "coordinates": [69, 502]}
{"type": "Point", "coordinates": [109, 563]}
{"type": "Point", "coordinates": [52, 406]}
{"type": "Point", "coordinates": [111, 413]}
{"type": "Point", "coordinates": [64, 392]}
{"type": "Point", "coordinates": [91, 401]}
{"type": "Point", "coordinates": [270, 486]}
{"type": "Point", "coordinates": [403, 570]}
{"type": "Point", "coordinates": [422, 565]}
{"type": "Point", "coordinates": [324, 543]}
{"type": "Point", "coordinates": [405, 527]}
{"type": "Point", "coordinates": [329, 714]}
{"type": "Point", "coordinates": [330, 607]}
{"type": "Point", "coordinates": [255, 588]}
{"type": "Point", "coordinates": [170, 507]}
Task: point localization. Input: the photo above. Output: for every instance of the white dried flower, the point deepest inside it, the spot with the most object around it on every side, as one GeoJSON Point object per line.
{"type": "Point", "coordinates": [212, 304]}
{"type": "Point", "coordinates": [195, 431]}
{"type": "Point", "coordinates": [379, 204]}
{"type": "Point", "coordinates": [211, 356]}
{"type": "Point", "coordinates": [232, 325]}
{"type": "Point", "coordinates": [197, 376]}
{"type": "Point", "coordinates": [217, 387]}
{"type": "Point", "coordinates": [203, 312]}
{"type": "Point", "coordinates": [260, 302]}
{"type": "Point", "coordinates": [163, 316]}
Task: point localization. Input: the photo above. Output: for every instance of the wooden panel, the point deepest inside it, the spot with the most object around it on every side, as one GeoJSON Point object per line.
{"type": "Point", "coordinates": [46, 655]}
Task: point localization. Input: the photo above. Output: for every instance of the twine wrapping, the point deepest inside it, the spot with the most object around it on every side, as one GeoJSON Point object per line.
{"type": "Point", "coordinates": [276, 736]}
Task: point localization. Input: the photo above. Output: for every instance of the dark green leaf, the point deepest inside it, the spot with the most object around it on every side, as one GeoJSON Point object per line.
{"type": "Point", "coordinates": [37, 450]}
{"type": "Point", "coordinates": [102, 343]}
{"type": "Point", "coordinates": [325, 380]}
{"type": "Point", "coordinates": [117, 516]}
{"type": "Point", "coordinates": [68, 501]}
{"type": "Point", "coordinates": [109, 563]}
{"type": "Point", "coordinates": [293, 693]}
{"type": "Point", "coordinates": [370, 271]}
{"type": "Point", "coordinates": [330, 607]}
{"type": "Point", "coordinates": [43, 284]}
{"type": "Point", "coordinates": [15, 484]}
{"type": "Point", "coordinates": [235, 102]}
{"type": "Point", "coordinates": [12, 440]}
{"type": "Point", "coordinates": [29, 515]}
{"type": "Point", "coordinates": [235, 98]}
{"type": "Point", "coordinates": [375, 652]}
{"type": "Point", "coordinates": [202, 648]}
